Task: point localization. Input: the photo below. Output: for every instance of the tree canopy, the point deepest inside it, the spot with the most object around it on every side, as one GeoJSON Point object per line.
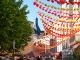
{"type": "Point", "coordinates": [77, 53]}
{"type": "Point", "coordinates": [14, 24]}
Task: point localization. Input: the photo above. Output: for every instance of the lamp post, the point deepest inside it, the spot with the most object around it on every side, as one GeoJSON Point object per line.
{"type": "Point", "coordinates": [13, 48]}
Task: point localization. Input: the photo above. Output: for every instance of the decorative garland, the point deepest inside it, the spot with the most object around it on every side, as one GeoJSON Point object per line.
{"type": "Point", "coordinates": [60, 23]}
{"type": "Point", "coordinates": [41, 49]}
{"type": "Point", "coordinates": [60, 13]}
{"type": "Point", "coordinates": [63, 2]}
{"type": "Point", "coordinates": [70, 21]}
{"type": "Point", "coordinates": [53, 25]}
{"type": "Point", "coordinates": [59, 27]}
{"type": "Point", "coordinates": [39, 3]}
{"type": "Point", "coordinates": [57, 19]}
{"type": "Point", "coordinates": [50, 30]}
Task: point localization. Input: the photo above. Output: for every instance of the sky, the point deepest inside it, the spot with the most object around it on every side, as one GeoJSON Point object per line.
{"type": "Point", "coordinates": [33, 13]}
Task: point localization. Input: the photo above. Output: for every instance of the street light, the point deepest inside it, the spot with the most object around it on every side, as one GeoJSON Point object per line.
{"type": "Point", "coordinates": [13, 48]}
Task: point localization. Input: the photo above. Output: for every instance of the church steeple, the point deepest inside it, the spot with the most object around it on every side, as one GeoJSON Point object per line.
{"type": "Point", "coordinates": [37, 28]}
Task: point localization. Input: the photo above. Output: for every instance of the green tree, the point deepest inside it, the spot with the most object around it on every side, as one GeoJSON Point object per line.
{"type": "Point", "coordinates": [14, 24]}
{"type": "Point", "coordinates": [70, 57]}
{"type": "Point", "coordinates": [76, 53]}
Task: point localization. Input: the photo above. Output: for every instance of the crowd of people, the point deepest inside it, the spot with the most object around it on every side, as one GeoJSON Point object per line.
{"type": "Point", "coordinates": [16, 58]}
{"type": "Point", "coordinates": [7, 57]}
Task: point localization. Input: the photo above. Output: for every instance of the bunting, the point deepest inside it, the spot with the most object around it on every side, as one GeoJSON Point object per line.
{"type": "Point", "coordinates": [40, 4]}
{"type": "Point", "coordinates": [64, 1]}
{"type": "Point", "coordinates": [56, 22]}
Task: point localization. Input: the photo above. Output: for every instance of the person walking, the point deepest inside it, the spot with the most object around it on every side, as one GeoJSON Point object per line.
{"type": "Point", "coordinates": [6, 57]}
{"type": "Point", "coordinates": [0, 58]}
{"type": "Point", "coordinates": [38, 58]}
{"type": "Point", "coordinates": [21, 58]}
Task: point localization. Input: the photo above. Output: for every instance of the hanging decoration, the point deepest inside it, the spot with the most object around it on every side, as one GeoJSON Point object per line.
{"type": "Point", "coordinates": [56, 22]}
{"type": "Point", "coordinates": [59, 31]}
{"type": "Point", "coordinates": [40, 3]}
{"type": "Point", "coordinates": [58, 13]}
{"type": "Point", "coordinates": [57, 19]}
{"type": "Point", "coordinates": [64, 1]}
{"type": "Point", "coordinates": [41, 47]}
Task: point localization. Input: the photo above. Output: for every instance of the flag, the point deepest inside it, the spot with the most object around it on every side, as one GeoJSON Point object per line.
{"type": "Point", "coordinates": [37, 29]}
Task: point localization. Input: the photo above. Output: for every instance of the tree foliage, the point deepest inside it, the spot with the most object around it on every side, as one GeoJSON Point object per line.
{"type": "Point", "coordinates": [76, 53]}
{"type": "Point", "coordinates": [70, 57]}
{"type": "Point", "coordinates": [14, 24]}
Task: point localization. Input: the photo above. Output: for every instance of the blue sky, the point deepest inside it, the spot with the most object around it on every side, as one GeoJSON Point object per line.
{"type": "Point", "coordinates": [33, 13]}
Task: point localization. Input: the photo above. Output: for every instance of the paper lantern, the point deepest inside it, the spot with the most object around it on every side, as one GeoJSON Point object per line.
{"type": "Point", "coordinates": [62, 1]}
{"type": "Point", "coordinates": [52, 1]}
{"type": "Point", "coordinates": [34, 3]}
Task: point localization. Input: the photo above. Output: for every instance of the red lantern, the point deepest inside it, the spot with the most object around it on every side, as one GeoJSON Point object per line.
{"type": "Point", "coordinates": [52, 1]}
{"type": "Point", "coordinates": [40, 6]}
{"type": "Point", "coordinates": [43, 8]}
{"type": "Point", "coordinates": [49, 11]}
{"type": "Point", "coordinates": [75, 2]}
{"type": "Point", "coordinates": [62, 1]}
{"type": "Point", "coordinates": [46, 9]}
{"type": "Point", "coordinates": [37, 4]}
{"type": "Point", "coordinates": [72, 3]}
{"type": "Point", "coordinates": [34, 3]}
{"type": "Point", "coordinates": [55, 14]}
{"type": "Point", "coordinates": [52, 13]}
{"type": "Point", "coordinates": [68, 3]}
{"type": "Point", "coordinates": [78, 3]}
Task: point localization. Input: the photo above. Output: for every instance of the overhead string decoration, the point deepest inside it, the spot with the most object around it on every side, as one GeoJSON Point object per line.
{"type": "Point", "coordinates": [64, 1]}
{"type": "Point", "coordinates": [56, 22]}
